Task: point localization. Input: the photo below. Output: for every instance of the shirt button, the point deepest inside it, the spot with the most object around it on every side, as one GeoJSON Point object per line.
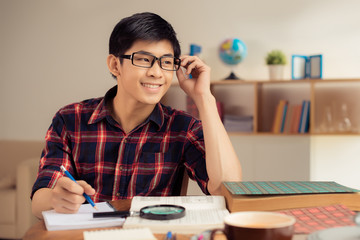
{"type": "Point", "coordinates": [120, 168]}
{"type": "Point", "coordinates": [118, 194]}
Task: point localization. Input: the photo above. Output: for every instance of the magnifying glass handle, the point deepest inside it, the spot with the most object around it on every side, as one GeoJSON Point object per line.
{"type": "Point", "coordinates": [119, 214]}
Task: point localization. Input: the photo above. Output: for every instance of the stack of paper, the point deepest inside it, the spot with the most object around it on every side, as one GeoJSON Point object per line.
{"type": "Point", "coordinates": [82, 219]}
{"type": "Point", "coordinates": [234, 123]}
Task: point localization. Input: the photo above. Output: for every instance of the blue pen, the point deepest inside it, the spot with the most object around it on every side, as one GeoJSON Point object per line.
{"type": "Point", "coordinates": [84, 194]}
{"type": "Point", "coordinates": [168, 236]}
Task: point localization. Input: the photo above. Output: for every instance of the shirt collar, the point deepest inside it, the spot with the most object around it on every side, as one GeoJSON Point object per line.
{"type": "Point", "coordinates": [157, 115]}
{"type": "Point", "coordinates": [103, 110]}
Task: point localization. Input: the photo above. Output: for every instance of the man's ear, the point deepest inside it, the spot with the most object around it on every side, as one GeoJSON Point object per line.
{"type": "Point", "coordinates": [113, 64]}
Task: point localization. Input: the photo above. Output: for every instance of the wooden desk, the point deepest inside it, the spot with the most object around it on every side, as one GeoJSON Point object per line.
{"type": "Point", "coordinates": [39, 232]}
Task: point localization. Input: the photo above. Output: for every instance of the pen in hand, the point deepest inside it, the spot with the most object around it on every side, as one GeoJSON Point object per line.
{"type": "Point", "coordinates": [72, 178]}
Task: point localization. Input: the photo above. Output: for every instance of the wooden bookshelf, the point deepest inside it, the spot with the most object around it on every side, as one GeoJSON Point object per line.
{"type": "Point", "coordinates": [259, 99]}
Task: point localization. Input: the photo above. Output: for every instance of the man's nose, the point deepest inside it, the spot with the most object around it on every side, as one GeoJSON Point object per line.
{"type": "Point", "coordinates": [155, 70]}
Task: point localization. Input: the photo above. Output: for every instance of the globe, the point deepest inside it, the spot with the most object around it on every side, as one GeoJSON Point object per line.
{"type": "Point", "coordinates": [232, 52]}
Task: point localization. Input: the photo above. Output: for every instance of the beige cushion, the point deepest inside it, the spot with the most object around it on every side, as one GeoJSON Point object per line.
{"type": "Point", "coordinates": [18, 164]}
{"type": "Point", "coordinates": [7, 206]}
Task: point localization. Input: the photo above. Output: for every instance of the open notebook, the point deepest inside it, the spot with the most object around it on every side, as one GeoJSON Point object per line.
{"type": "Point", "coordinates": [82, 219]}
{"type": "Point", "coordinates": [202, 213]}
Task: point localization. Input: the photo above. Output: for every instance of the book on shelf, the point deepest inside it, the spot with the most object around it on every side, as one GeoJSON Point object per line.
{"type": "Point", "coordinates": [233, 123]}
{"type": "Point", "coordinates": [305, 117]}
{"type": "Point", "coordinates": [280, 116]}
{"type": "Point", "coordinates": [201, 213]}
{"type": "Point", "coordinates": [295, 121]}
{"type": "Point", "coordinates": [291, 118]}
{"type": "Point", "coordinates": [281, 195]}
{"type": "Point", "coordinates": [283, 117]}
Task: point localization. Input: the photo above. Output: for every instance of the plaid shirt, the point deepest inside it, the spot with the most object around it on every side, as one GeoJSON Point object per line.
{"type": "Point", "coordinates": [93, 147]}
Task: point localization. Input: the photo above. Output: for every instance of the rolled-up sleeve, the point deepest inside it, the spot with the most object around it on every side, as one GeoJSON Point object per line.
{"type": "Point", "coordinates": [194, 154]}
{"type": "Point", "coordinates": [56, 153]}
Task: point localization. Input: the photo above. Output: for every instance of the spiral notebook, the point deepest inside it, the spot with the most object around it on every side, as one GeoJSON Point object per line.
{"type": "Point", "coordinates": [116, 234]}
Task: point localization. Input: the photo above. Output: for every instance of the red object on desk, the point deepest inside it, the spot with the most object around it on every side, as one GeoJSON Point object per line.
{"type": "Point", "coordinates": [313, 219]}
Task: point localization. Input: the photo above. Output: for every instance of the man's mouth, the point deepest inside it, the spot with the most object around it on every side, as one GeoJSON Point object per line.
{"type": "Point", "coordinates": [148, 85]}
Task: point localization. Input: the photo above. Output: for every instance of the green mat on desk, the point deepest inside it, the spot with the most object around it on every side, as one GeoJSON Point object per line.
{"type": "Point", "coordinates": [285, 187]}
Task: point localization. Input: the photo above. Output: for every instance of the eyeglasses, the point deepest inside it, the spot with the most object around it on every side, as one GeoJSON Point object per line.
{"type": "Point", "coordinates": [147, 60]}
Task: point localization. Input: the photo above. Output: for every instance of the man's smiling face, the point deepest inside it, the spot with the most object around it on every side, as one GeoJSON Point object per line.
{"type": "Point", "coordinates": [145, 85]}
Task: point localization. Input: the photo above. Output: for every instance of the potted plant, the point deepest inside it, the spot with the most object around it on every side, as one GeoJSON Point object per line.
{"type": "Point", "coordinates": [276, 60]}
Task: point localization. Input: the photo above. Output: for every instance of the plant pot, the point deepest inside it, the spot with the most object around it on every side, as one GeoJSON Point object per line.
{"type": "Point", "coordinates": [276, 72]}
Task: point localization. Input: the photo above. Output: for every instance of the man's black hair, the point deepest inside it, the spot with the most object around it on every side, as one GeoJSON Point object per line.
{"type": "Point", "coordinates": [141, 26]}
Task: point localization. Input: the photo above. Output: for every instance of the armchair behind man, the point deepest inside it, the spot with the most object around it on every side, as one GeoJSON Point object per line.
{"type": "Point", "coordinates": [19, 162]}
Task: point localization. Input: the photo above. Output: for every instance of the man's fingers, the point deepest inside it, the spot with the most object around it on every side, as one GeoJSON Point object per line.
{"type": "Point", "coordinates": [66, 207]}
{"type": "Point", "coordinates": [68, 195]}
{"type": "Point", "coordinates": [61, 194]}
{"type": "Point", "coordinates": [193, 65]}
{"type": "Point", "coordinates": [188, 62]}
{"type": "Point", "coordinates": [70, 185]}
{"type": "Point", "coordinates": [181, 75]}
{"type": "Point", "coordinates": [88, 189]}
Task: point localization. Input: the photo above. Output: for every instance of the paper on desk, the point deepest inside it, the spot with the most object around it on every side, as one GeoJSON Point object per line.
{"type": "Point", "coordinates": [117, 234]}
{"type": "Point", "coordinates": [82, 219]}
{"type": "Point", "coordinates": [202, 213]}
{"type": "Point", "coordinates": [188, 202]}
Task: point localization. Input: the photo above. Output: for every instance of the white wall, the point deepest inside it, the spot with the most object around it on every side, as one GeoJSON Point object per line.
{"type": "Point", "coordinates": [336, 158]}
{"type": "Point", "coordinates": [53, 52]}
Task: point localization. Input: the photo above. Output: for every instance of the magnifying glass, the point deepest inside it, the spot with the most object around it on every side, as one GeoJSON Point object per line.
{"type": "Point", "coordinates": [153, 212]}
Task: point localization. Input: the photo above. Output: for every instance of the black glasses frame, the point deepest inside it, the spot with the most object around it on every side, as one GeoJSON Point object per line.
{"type": "Point", "coordinates": [177, 61]}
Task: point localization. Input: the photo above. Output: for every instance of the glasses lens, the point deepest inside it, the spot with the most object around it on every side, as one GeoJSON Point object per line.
{"type": "Point", "coordinates": [142, 60]}
{"type": "Point", "coordinates": [147, 61]}
{"type": "Point", "coordinates": [170, 63]}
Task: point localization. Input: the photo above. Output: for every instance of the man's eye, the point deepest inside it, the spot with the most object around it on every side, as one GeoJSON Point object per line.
{"type": "Point", "coordinates": [142, 59]}
{"type": "Point", "coordinates": [167, 61]}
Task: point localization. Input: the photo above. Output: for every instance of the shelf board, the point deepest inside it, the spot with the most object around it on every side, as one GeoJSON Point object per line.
{"type": "Point", "coordinates": [266, 134]}
{"type": "Point", "coordinates": [290, 134]}
{"type": "Point", "coordinates": [231, 82]}
{"type": "Point", "coordinates": [286, 81]}
{"type": "Point", "coordinates": [226, 82]}
{"type": "Point", "coordinates": [336, 134]}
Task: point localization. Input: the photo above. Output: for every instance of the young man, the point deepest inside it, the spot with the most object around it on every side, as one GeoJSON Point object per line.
{"type": "Point", "coordinates": [127, 143]}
